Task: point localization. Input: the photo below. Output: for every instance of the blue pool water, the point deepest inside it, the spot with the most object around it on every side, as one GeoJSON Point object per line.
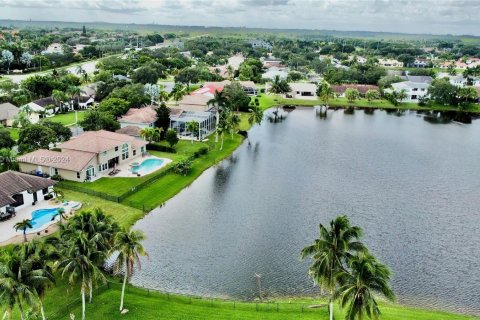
{"type": "Point", "coordinates": [42, 216]}
{"type": "Point", "coordinates": [149, 165]}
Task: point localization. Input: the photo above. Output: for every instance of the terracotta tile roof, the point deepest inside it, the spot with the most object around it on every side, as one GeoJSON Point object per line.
{"type": "Point", "coordinates": [96, 141]}
{"type": "Point", "coordinates": [71, 160]}
{"type": "Point", "coordinates": [144, 115]}
{"type": "Point", "coordinates": [133, 131]}
{"type": "Point", "coordinates": [12, 182]}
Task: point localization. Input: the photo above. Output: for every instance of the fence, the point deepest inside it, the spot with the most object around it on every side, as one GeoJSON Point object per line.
{"type": "Point", "coordinates": [292, 308]}
{"type": "Point", "coordinates": [121, 198]}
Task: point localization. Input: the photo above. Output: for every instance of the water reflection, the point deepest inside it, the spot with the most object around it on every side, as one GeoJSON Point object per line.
{"type": "Point", "coordinates": [411, 186]}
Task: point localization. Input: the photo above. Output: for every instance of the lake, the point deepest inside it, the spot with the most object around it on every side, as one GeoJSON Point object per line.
{"type": "Point", "coordinates": [412, 185]}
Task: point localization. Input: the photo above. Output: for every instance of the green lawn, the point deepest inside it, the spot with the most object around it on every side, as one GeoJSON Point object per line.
{"type": "Point", "coordinates": [146, 305]}
{"type": "Point", "coordinates": [14, 133]}
{"type": "Point", "coordinates": [125, 216]}
{"type": "Point", "coordinates": [171, 184]}
{"type": "Point", "coordinates": [67, 119]}
{"type": "Point", "coordinates": [269, 100]}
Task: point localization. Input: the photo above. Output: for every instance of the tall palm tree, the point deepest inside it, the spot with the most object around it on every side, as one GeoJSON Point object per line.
{"type": "Point", "coordinates": [23, 225]}
{"type": "Point", "coordinates": [74, 92]}
{"type": "Point", "coordinates": [234, 122]}
{"type": "Point", "coordinates": [38, 255]}
{"type": "Point", "coordinates": [331, 252]}
{"type": "Point", "coordinates": [18, 281]}
{"type": "Point", "coordinates": [78, 262]}
{"type": "Point", "coordinates": [59, 97]}
{"type": "Point", "coordinates": [367, 277]}
{"type": "Point", "coordinates": [279, 86]}
{"type": "Point", "coordinates": [164, 96]}
{"type": "Point", "coordinates": [192, 127]}
{"type": "Point", "coordinates": [100, 230]}
{"type": "Point", "coordinates": [219, 101]}
{"type": "Point", "coordinates": [128, 244]}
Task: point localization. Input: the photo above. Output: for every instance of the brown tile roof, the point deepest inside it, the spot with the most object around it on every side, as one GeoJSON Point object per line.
{"type": "Point", "coordinates": [71, 160]}
{"type": "Point", "coordinates": [96, 141]}
{"type": "Point", "coordinates": [144, 115]}
{"type": "Point", "coordinates": [194, 103]}
{"type": "Point", "coordinates": [137, 143]}
{"type": "Point", "coordinates": [133, 131]}
{"type": "Point", "coordinates": [7, 111]}
{"type": "Point", "coordinates": [12, 182]}
{"type": "Point", "coordinates": [362, 88]}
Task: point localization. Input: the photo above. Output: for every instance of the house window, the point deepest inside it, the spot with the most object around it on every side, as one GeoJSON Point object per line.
{"type": "Point", "coordinates": [125, 151]}
{"type": "Point", "coordinates": [45, 191]}
{"type": "Point", "coordinates": [116, 148]}
{"type": "Point", "coordinates": [142, 149]}
{"type": "Point", "coordinates": [56, 171]}
{"type": "Point", "coordinates": [415, 89]}
{"type": "Point", "coordinates": [414, 97]}
{"type": "Point", "coordinates": [78, 175]}
{"type": "Point", "coordinates": [134, 152]}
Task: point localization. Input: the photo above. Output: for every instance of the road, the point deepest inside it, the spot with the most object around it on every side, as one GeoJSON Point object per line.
{"type": "Point", "coordinates": [88, 66]}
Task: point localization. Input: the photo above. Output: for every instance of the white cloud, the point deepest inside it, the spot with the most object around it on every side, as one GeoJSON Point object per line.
{"type": "Point", "coordinates": [412, 16]}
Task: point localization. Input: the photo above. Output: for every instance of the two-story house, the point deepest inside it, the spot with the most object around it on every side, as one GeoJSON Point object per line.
{"type": "Point", "coordinates": [413, 90]}
{"type": "Point", "coordinates": [85, 157]}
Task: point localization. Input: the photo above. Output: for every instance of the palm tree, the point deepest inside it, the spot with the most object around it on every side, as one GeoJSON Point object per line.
{"type": "Point", "coordinates": [129, 246]}
{"type": "Point", "coordinates": [23, 225]}
{"type": "Point", "coordinates": [401, 95]}
{"type": "Point", "coordinates": [325, 92]}
{"type": "Point", "coordinates": [178, 92]}
{"type": "Point", "coordinates": [99, 229]}
{"type": "Point", "coordinates": [279, 86]}
{"type": "Point", "coordinates": [192, 127]}
{"type": "Point", "coordinates": [19, 279]}
{"type": "Point", "coordinates": [230, 72]}
{"type": "Point", "coordinates": [255, 116]}
{"type": "Point", "coordinates": [61, 214]}
{"type": "Point", "coordinates": [151, 134]}
{"type": "Point", "coordinates": [74, 91]}
{"type": "Point", "coordinates": [59, 97]}
{"type": "Point", "coordinates": [38, 254]}
{"type": "Point", "coordinates": [331, 252]}
{"type": "Point", "coordinates": [79, 262]}
{"type": "Point", "coordinates": [57, 193]}
{"type": "Point", "coordinates": [366, 278]}
{"type": "Point", "coordinates": [234, 122]}
{"type": "Point", "coordinates": [164, 96]}
{"type": "Point", "coordinates": [219, 100]}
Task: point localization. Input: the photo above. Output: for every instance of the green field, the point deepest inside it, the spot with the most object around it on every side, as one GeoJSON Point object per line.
{"type": "Point", "coordinates": [269, 100]}
{"type": "Point", "coordinates": [143, 304]}
{"type": "Point", "coordinates": [68, 119]}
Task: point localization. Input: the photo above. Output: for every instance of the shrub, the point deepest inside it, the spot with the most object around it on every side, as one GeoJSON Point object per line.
{"type": "Point", "coordinates": [161, 148]}
{"type": "Point", "coordinates": [183, 167]}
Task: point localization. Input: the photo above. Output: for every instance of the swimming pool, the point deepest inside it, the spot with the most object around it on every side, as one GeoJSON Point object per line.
{"type": "Point", "coordinates": [42, 217]}
{"type": "Point", "coordinates": [147, 166]}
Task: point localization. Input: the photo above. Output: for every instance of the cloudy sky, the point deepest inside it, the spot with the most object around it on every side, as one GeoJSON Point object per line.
{"type": "Point", "coordinates": [409, 16]}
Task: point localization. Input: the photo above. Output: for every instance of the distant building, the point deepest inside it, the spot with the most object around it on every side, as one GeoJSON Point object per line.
{"type": "Point", "coordinates": [8, 112]}
{"type": "Point", "coordinates": [459, 80]}
{"type": "Point", "coordinates": [362, 88]}
{"type": "Point", "coordinates": [139, 117]}
{"type": "Point", "coordinates": [54, 48]}
{"type": "Point", "coordinates": [255, 43]}
{"type": "Point", "coordinates": [273, 72]}
{"type": "Point", "coordinates": [302, 90]}
{"type": "Point", "coordinates": [421, 63]}
{"type": "Point", "coordinates": [390, 63]}
{"type": "Point", "coordinates": [413, 90]}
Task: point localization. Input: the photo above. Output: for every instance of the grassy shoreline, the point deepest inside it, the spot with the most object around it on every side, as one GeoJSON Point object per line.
{"type": "Point", "coordinates": [150, 304]}
{"type": "Point", "coordinates": [268, 100]}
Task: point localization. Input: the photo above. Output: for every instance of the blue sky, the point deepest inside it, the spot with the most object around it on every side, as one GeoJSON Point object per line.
{"type": "Point", "coordinates": [409, 16]}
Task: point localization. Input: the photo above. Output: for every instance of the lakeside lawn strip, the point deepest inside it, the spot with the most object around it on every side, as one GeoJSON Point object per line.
{"type": "Point", "coordinates": [269, 100]}
{"type": "Point", "coordinates": [143, 304]}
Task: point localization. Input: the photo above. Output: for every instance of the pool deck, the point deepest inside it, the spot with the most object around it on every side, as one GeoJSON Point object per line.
{"type": "Point", "coordinates": [125, 167]}
{"type": "Point", "coordinates": [9, 235]}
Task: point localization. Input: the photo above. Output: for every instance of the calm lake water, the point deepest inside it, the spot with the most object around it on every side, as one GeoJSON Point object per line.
{"type": "Point", "coordinates": [412, 185]}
